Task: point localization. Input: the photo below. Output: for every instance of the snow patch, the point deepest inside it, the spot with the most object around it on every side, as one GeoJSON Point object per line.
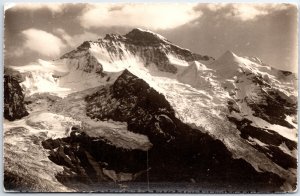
{"type": "Point", "coordinates": [286, 150]}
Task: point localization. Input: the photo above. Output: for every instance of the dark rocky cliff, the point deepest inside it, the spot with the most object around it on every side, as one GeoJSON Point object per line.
{"type": "Point", "coordinates": [13, 99]}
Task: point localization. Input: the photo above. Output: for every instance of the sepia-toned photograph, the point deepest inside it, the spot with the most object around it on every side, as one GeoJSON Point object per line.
{"type": "Point", "coordinates": [150, 97]}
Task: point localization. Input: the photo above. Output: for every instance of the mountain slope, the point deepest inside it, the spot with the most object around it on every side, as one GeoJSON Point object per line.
{"type": "Point", "coordinates": [139, 92]}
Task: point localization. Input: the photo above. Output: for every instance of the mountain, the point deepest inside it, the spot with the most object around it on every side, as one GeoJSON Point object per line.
{"type": "Point", "coordinates": [116, 109]}
{"type": "Point", "coordinates": [95, 62]}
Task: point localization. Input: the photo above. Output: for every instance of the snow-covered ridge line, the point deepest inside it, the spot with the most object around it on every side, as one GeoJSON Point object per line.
{"type": "Point", "coordinates": [137, 38]}
{"type": "Point", "coordinates": [155, 34]}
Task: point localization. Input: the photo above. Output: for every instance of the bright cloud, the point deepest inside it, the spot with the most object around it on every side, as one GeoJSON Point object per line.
{"type": "Point", "coordinates": [154, 16]}
{"type": "Point", "coordinates": [43, 42]}
{"type": "Point", "coordinates": [242, 11]}
{"type": "Point", "coordinates": [54, 7]}
{"type": "Point", "coordinates": [77, 39]}
{"type": "Point", "coordinates": [247, 12]}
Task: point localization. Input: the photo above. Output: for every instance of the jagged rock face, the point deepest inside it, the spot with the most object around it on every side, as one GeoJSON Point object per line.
{"type": "Point", "coordinates": [14, 73]}
{"type": "Point", "coordinates": [141, 37]}
{"type": "Point", "coordinates": [83, 60]}
{"type": "Point", "coordinates": [268, 102]}
{"type": "Point", "coordinates": [161, 48]}
{"type": "Point", "coordinates": [13, 99]}
{"type": "Point", "coordinates": [273, 108]}
{"type": "Point", "coordinates": [270, 138]}
{"type": "Point", "coordinates": [131, 99]}
{"type": "Point", "coordinates": [144, 45]}
{"type": "Point", "coordinates": [86, 159]}
{"type": "Point", "coordinates": [198, 156]}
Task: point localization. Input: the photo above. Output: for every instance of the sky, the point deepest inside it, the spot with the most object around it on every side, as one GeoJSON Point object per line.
{"type": "Point", "coordinates": [47, 31]}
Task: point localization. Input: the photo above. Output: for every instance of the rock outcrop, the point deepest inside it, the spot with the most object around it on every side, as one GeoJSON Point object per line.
{"type": "Point", "coordinates": [14, 107]}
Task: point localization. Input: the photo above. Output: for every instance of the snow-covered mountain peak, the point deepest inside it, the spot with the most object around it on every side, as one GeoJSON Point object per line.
{"type": "Point", "coordinates": [140, 51]}
{"type": "Point", "coordinates": [230, 65]}
{"type": "Point", "coordinates": [228, 57]}
{"type": "Point", "coordinates": [145, 36]}
{"type": "Point", "coordinates": [138, 48]}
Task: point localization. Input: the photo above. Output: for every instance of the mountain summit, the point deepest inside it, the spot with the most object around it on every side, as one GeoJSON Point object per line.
{"type": "Point", "coordinates": [145, 37]}
{"type": "Point", "coordinates": [228, 56]}
{"type": "Point", "coordinates": [116, 109]}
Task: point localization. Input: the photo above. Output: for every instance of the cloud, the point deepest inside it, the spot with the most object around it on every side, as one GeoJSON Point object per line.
{"type": "Point", "coordinates": [54, 7]}
{"type": "Point", "coordinates": [253, 11]}
{"type": "Point", "coordinates": [18, 52]}
{"type": "Point", "coordinates": [153, 16]}
{"type": "Point", "coordinates": [13, 52]}
{"type": "Point", "coordinates": [242, 11]}
{"type": "Point", "coordinates": [42, 42]}
{"type": "Point", "coordinates": [76, 39]}
{"type": "Point", "coordinates": [246, 12]}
